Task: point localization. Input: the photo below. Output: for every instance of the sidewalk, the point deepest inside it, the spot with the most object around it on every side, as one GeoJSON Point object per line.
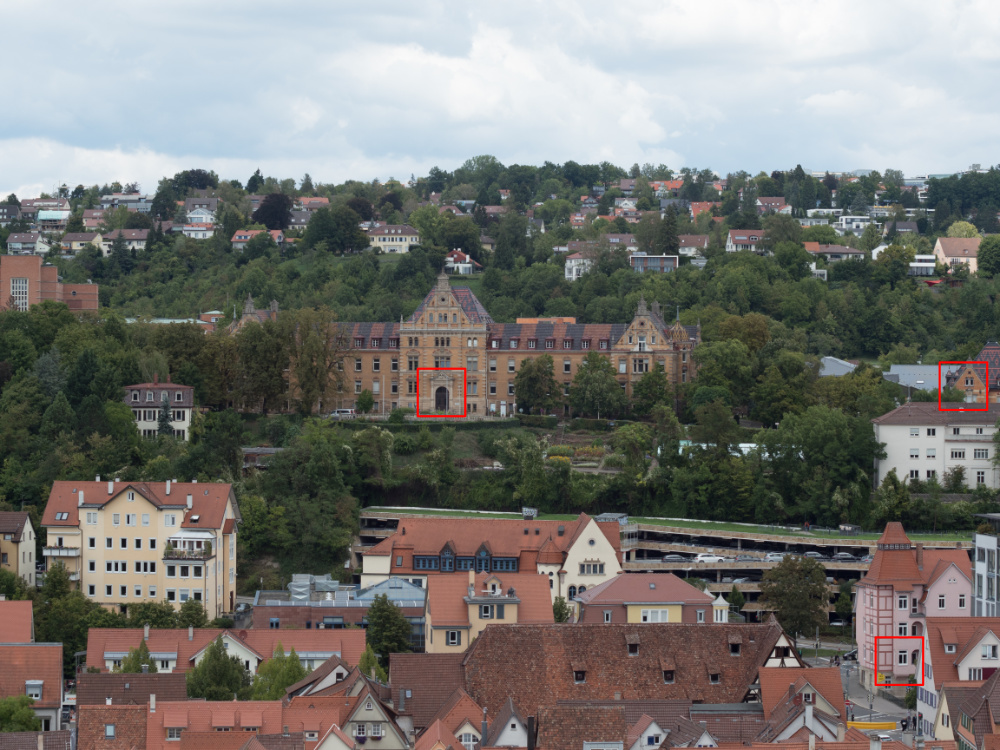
{"type": "Point", "coordinates": [859, 697]}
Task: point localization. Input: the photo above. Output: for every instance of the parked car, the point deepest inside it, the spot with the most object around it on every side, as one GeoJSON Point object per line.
{"type": "Point", "coordinates": [746, 558]}
{"type": "Point", "coordinates": [843, 557]}
{"type": "Point", "coordinates": [708, 557]}
{"type": "Point", "coordinates": [674, 558]}
{"type": "Point", "coordinates": [342, 414]}
{"type": "Point", "coordinates": [867, 558]}
{"type": "Point", "coordinates": [851, 655]}
{"type": "Point", "coordinates": [837, 623]}
{"type": "Point", "coordinates": [814, 555]}
{"type": "Point", "coordinates": [741, 580]}
{"type": "Point", "coordinates": [774, 557]}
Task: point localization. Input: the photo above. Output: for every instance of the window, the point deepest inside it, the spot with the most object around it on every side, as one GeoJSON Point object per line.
{"type": "Point", "coordinates": [357, 386]}
{"type": "Point", "coordinates": [901, 629]}
{"type": "Point", "coordinates": [914, 473]}
{"type": "Point", "coordinates": [173, 733]}
{"type": "Point", "coordinates": [567, 366]}
{"type": "Point", "coordinates": [92, 542]}
{"type": "Point", "coordinates": [91, 590]}
{"type": "Point", "coordinates": [510, 365]}
{"type": "Point", "coordinates": [989, 652]}
{"type": "Point", "coordinates": [980, 477]}
{"type": "Point", "coordinates": [591, 569]}
{"type": "Point", "coordinates": [108, 590]}
{"type": "Point", "coordinates": [145, 519]}
{"type": "Point", "coordinates": [931, 453]}
{"type": "Point", "coordinates": [170, 520]}
{"type": "Point", "coordinates": [91, 519]}
{"type": "Point", "coordinates": [961, 601]}
{"type": "Point", "coordinates": [152, 592]}
{"type": "Point", "coordinates": [92, 566]}
{"type": "Point", "coordinates": [359, 730]}
{"type": "Point", "coordinates": [668, 676]}
{"type": "Point", "coordinates": [485, 611]}
{"type": "Point", "coordinates": [123, 543]}
{"type": "Point", "coordinates": [376, 364]}
{"type": "Point", "coordinates": [701, 615]}
{"type": "Point", "coordinates": [914, 453]}
{"type": "Point", "coordinates": [152, 544]}
{"type": "Point", "coordinates": [931, 431]}
{"type": "Point", "coordinates": [468, 740]}
{"type": "Point", "coordinates": [633, 649]}
{"type": "Point", "coordinates": [607, 615]}
{"type": "Point", "coordinates": [914, 432]}
{"type": "Point", "coordinates": [116, 519]}
{"type": "Point", "coordinates": [958, 430]}
{"type": "Point", "coordinates": [453, 637]}
{"type": "Point", "coordinates": [981, 453]}
{"type": "Point", "coordinates": [931, 474]}
{"type": "Point", "coordinates": [958, 454]}
{"type": "Point", "coordinates": [513, 343]}
{"type": "Point", "coordinates": [531, 343]}
{"type": "Point", "coordinates": [493, 365]}
{"type": "Point", "coordinates": [579, 676]}
{"type": "Point", "coordinates": [902, 658]}
{"type": "Point", "coordinates": [714, 678]}
{"type": "Point", "coordinates": [138, 543]}
{"type": "Point", "coordinates": [979, 430]}
{"type": "Point", "coordinates": [109, 731]}
{"type": "Point", "coordinates": [975, 673]}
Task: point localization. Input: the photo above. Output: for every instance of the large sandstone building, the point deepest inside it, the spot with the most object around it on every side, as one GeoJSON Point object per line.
{"type": "Point", "coordinates": [451, 330]}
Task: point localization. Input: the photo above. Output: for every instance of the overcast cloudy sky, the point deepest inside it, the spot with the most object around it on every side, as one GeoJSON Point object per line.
{"type": "Point", "coordinates": [133, 91]}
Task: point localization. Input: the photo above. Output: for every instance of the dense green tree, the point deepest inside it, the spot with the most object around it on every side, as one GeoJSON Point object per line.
{"type": "Point", "coordinates": [651, 389]}
{"type": "Point", "coordinates": [137, 658]}
{"type": "Point", "coordinates": [276, 674]}
{"type": "Point", "coordinates": [595, 390]}
{"type": "Point", "coordinates": [963, 229]}
{"type": "Point", "coordinates": [736, 599]}
{"type": "Point", "coordinates": [192, 614]}
{"type": "Point", "coordinates": [17, 715]}
{"type": "Point", "coordinates": [275, 211]}
{"type": "Point", "coordinates": [368, 664]}
{"type": "Point", "coordinates": [154, 614]}
{"type": "Point", "coordinates": [164, 427]}
{"type": "Point", "coordinates": [560, 610]}
{"type": "Point", "coordinates": [795, 590]}
{"type": "Point", "coordinates": [12, 586]}
{"type": "Point", "coordinates": [988, 258]}
{"type": "Point", "coordinates": [219, 676]}
{"type": "Point", "coordinates": [535, 386]}
{"type": "Point", "coordinates": [365, 402]}
{"type": "Point", "coordinates": [388, 629]}
{"type": "Point", "coordinates": [337, 229]}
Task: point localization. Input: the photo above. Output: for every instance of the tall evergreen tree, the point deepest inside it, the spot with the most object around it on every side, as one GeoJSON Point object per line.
{"type": "Point", "coordinates": [219, 676]}
{"type": "Point", "coordinates": [164, 428]}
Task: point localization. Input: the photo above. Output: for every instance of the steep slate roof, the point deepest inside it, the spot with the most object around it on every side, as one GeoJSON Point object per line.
{"type": "Point", "coordinates": [469, 303]}
{"type": "Point", "coordinates": [775, 682]}
{"type": "Point", "coordinates": [643, 588]}
{"type": "Point", "coordinates": [32, 661]}
{"type": "Point", "coordinates": [548, 656]}
{"type": "Point", "coordinates": [895, 561]}
{"type": "Point", "coordinates": [17, 624]}
{"type": "Point", "coordinates": [431, 680]}
{"type": "Point", "coordinates": [567, 727]}
{"type": "Point", "coordinates": [93, 689]}
{"type": "Point", "coordinates": [506, 537]}
{"type": "Point", "coordinates": [208, 500]}
{"type": "Point", "coordinates": [348, 643]}
{"type": "Point", "coordinates": [963, 633]}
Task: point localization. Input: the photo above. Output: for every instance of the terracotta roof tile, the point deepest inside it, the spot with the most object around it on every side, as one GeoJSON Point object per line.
{"type": "Point", "coordinates": [774, 682]}
{"type": "Point", "coordinates": [17, 623]}
{"type": "Point", "coordinates": [54, 740]}
{"type": "Point", "coordinates": [958, 631]}
{"type": "Point", "coordinates": [556, 652]}
{"type": "Point", "coordinates": [458, 709]}
{"type": "Point", "coordinates": [32, 661]}
{"type": "Point", "coordinates": [645, 588]}
{"type": "Point", "coordinates": [129, 727]}
{"type": "Point", "coordinates": [567, 727]}
{"type": "Point", "coordinates": [348, 643]}
{"type": "Point", "coordinates": [207, 716]}
{"type": "Point", "coordinates": [959, 247]}
{"type": "Point", "coordinates": [430, 679]}
{"type": "Point", "coordinates": [437, 735]}
{"type": "Point", "coordinates": [13, 522]}
{"type": "Point", "coordinates": [93, 689]}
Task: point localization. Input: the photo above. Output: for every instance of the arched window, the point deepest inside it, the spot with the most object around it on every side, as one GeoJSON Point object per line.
{"type": "Point", "coordinates": [572, 592]}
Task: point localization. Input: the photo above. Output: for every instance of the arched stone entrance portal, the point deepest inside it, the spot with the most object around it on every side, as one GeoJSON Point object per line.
{"type": "Point", "coordinates": [441, 399]}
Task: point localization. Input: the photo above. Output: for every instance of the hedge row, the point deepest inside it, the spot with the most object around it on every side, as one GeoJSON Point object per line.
{"type": "Point", "coordinates": [535, 420]}
{"type": "Point", "coordinates": [436, 426]}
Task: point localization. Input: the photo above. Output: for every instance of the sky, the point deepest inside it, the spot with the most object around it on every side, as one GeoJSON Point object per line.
{"type": "Point", "coordinates": [132, 91]}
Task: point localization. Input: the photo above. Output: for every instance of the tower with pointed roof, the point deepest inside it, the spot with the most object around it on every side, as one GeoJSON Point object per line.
{"type": "Point", "coordinates": [905, 583]}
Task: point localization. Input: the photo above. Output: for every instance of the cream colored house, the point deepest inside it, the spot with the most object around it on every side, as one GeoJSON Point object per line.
{"type": "Point", "coordinates": [17, 545]}
{"type": "Point", "coordinates": [131, 542]}
{"type": "Point", "coordinates": [394, 238]}
{"type": "Point", "coordinates": [146, 400]}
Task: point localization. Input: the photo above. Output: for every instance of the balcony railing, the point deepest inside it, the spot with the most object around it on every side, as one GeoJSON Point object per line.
{"type": "Point", "coordinates": [61, 551]}
{"type": "Point", "coordinates": [170, 553]}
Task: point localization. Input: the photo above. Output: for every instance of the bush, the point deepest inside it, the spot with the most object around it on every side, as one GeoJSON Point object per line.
{"type": "Point", "coordinates": [404, 445]}
{"type": "Point", "coordinates": [536, 420]}
{"type": "Point", "coordinates": [559, 460]}
{"type": "Point", "coordinates": [561, 450]}
{"type": "Point", "coordinates": [614, 461]}
{"type": "Point", "coordinates": [425, 441]}
{"type": "Point", "coordinates": [398, 416]}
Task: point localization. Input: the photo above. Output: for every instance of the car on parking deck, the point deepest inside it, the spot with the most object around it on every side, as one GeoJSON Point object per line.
{"type": "Point", "coordinates": [674, 558]}
{"type": "Point", "coordinates": [843, 557]}
{"type": "Point", "coordinates": [814, 555]}
{"type": "Point", "coordinates": [747, 558]}
{"type": "Point", "coordinates": [708, 557]}
{"type": "Point", "coordinates": [774, 556]}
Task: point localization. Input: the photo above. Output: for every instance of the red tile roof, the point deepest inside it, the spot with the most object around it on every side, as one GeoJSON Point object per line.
{"type": "Point", "coordinates": [129, 727]}
{"type": "Point", "coordinates": [446, 596]}
{"type": "Point", "coordinates": [549, 655]}
{"type": "Point", "coordinates": [458, 709]}
{"type": "Point", "coordinates": [13, 522]}
{"type": "Point", "coordinates": [17, 624]}
{"type": "Point", "coordinates": [53, 740]}
{"type": "Point", "coordinates": [430, 680]}
{"type": "Point", "coordinates": [774, 682]}
{"type": "Point", "coordinates": [348, 643]}
{"type": "Point", "coordinates": [437, 735]}
{"type": "Point", "coordinates": [654, 588]}
{"type": "Point", "coordinates": [32, 661]}
{"type": "Point", "coordinates": [961, 632]}
{"type": "Point", "coordinates": [209, 499]}
{"type": "Point", "coordinates": [507, 538]}
{"type": "Point", "coordinates": [566, 727]}
{"type": "Point", "coordinates": [93, 689]}
{"type": "Point", "coordinates": [207, 716]}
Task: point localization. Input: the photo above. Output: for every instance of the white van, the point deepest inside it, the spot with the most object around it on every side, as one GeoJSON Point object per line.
{"type": "Point", "coordinates": [342, 414]}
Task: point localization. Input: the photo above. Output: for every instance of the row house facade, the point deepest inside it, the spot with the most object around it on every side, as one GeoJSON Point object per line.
{"type": "Point", "coordinates": [146, 400]}
{"type": "Point", "coordinates": [129, 542]}
{"type": "Point", "coordinates": [905, 585]}
{"type": "Point", "coordinates": [468, 362]}
{"type": "Point", "coordinates": [923, 442]}
{"type": "Point", "coordinates": [17, 545]}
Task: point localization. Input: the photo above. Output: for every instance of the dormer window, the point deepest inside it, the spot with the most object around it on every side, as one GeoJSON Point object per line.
{"type": "Point", "coordinates": [633, 649]}
{"type": "Point", "coordinates": [807, 697]}
{"type": "Point", "coordinates": [513, 343]}
{"type": "Point", "coordinates": [532, 343]}
{"type": "Point", "coordinates": [135, 395]}
{"type": "Point", "coordinates": [579, 676]}
{"type": "Point", "coordinates": [949, 648]}
{"type": "Point", "coordinates": [668, 676]}
{"type": "Point", "coordinates": [734, 649]}
{"type": "Point", "coordinates": [149, 396]}
{"type": "Point", "coordinates": [178, 396]}
{"type": "Point", "coordinates": [714, 678]}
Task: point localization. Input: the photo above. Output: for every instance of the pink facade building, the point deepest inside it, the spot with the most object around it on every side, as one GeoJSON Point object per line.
{"type": "Point", "coordinates": [904, 585]}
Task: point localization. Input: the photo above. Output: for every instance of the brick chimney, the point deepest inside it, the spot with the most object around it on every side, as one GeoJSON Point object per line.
{"type": "Point", "coordinates": [156, 378]}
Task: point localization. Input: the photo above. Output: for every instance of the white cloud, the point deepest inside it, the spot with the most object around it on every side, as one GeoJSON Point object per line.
{"type": "Point", "coordinates": [139, 91]}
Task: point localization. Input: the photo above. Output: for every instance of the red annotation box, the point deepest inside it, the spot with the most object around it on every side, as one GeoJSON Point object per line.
{"type": "Point", "coordinates": [986, 382]}
{"type": "Point", "coordinates": [916, 644]}
{"type": "Point", "coordinates": [446, 395]}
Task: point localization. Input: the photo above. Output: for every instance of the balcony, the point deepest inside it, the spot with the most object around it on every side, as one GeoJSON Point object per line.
{"type": "Point", "coordinates": [171, 553]}
{"type": "Point", "coordinates": [61, 551]}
